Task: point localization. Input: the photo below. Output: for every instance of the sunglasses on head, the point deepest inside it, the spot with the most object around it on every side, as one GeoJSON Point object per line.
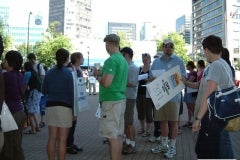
{"type": "Point", "coordinates": [145, 55]}
{"type": "Point", "coordinates": [168, 46]}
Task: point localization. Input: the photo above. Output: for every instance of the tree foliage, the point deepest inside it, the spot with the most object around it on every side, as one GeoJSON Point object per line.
{"type": "Point", "coordinates": [46, 49]}
{"type": "Point", "coordinates": [179, 45]}
{"type": "Point", "coordinates": [124, 41]}
{"type": "Point", "coordinates": [7, 39]}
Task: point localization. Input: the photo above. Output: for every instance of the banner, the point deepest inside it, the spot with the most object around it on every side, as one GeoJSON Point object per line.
{"type": "Point", "coordinates": [165, 87]}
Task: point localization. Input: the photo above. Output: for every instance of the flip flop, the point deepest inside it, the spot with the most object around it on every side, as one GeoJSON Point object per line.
{"type": "Point", "coordinates": [29, 132]}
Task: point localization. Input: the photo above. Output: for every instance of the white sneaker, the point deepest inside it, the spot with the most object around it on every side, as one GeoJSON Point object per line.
{"type": "Point", "coordinates": [171, 152]}
{"type": "Point", "coordinates": [154, 139]}
{"type": "Point", "coordinates": [160, 148]}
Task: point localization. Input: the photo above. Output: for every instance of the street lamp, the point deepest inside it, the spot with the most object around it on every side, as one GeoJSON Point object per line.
{"type": "Point", "coordinates": [88, 56]}
{"type": "Point", "coordinates": [28, 31]}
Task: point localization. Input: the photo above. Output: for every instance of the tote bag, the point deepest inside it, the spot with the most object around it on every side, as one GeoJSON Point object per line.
{"type": "Point", "coordinates": [225, 104]}
{"type": "Point", "coordinates": [7, 121]}
{"type": "Point", "coordinates": [80, 95]}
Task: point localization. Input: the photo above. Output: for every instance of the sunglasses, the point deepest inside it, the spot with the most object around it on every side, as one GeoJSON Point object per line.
{"type": "Point", "coordinates": [168, 46]}
{"type": "Point", "coordinates": [145, 55]}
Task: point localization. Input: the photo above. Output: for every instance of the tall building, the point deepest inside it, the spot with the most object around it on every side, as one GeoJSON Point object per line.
{"type": "Point", "coordinates": [183, 27]}
{"type": "Point", "coordinates": [128, 28]}
{"type": "Point", "coordinates": [74, 17]}
{"type": "Point", "coordinates": [150, 32]}
{"type": "Point", "coordinates": [220, 18]}
{"type": "Point", "coordinates": [18, 32]}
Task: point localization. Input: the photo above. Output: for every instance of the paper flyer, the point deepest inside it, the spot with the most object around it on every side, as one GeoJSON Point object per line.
{"type": "Point", "coordinates": [165, 87]}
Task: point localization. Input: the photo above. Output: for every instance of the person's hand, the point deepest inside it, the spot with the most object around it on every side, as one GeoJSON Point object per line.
{"type": "Point", "coordinates": [184, 79]}
{"type": "Point", "coordinates": [196, 125]}
{"type": "Point", "coordinates": [74, 118]}
{"type": "Point", "coordinates": [96, 72]}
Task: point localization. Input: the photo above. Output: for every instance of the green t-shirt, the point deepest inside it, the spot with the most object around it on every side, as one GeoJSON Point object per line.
{"type": "Point", "coordinates": [117, 66]}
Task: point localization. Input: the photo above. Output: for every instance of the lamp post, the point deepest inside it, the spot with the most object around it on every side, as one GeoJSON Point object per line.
{"type": "Point", "coordinates": [29, 15]}
{"type": "Point", "coordinates": [88, 56]}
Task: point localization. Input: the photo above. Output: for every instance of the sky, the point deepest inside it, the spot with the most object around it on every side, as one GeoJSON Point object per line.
{"type": "Point", "coordinates": [161, 12]}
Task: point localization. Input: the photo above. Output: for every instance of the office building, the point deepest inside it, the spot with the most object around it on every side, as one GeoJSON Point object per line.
{"type": "Point", "coordinates": [128, 28]}
{"type": "Point", "coordinates": [150, 32]}
{"type": "Point", "coordinates": [74, 17]}
{"type": "Point", "coordinates": [18, 33]}
{"type": "Point", "coordinates": [183, 27]}
{"type": "Point", "coordinates": [220, 18]}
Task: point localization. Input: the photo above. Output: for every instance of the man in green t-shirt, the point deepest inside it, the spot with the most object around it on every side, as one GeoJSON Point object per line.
{"type": "Point", "coordinates": [113, 81]}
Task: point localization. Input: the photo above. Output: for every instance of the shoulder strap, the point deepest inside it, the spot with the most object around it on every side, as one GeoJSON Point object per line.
{"type": "Point", "coordinates": [38, 68]}
{"type": "Point", "coordinates": [228, 73]}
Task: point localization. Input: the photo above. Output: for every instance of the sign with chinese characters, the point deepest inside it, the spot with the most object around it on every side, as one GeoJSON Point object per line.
{"type": "Point", "coordinates": [165, 87]}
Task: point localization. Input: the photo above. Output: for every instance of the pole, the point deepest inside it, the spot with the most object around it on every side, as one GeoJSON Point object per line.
{"type": "Point", "coordinates": [29, 15]}
{"type": "Point", "coordinates": [88, 57]}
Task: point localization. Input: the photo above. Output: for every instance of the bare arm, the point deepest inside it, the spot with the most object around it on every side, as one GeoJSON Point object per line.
{"type": "Point", "coordinates": [211, 87]}
{"type": "Point", "coordinates": [191, 84]}
{"type": "Point", "coordinates": [105, 80]}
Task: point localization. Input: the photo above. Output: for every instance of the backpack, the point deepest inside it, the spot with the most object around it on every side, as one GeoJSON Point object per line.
{"type": "Point", "coordinates": [35, 81]}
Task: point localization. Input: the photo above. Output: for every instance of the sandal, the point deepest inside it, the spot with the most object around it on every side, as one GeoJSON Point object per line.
{"type": "Point", "coordinates": [29, 132]}
{"type": "Point", "coordinates": [141, 131]}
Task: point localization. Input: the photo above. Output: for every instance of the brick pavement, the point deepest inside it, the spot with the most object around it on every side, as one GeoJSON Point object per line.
{"type": "Point", "coordinates": [86, 136]}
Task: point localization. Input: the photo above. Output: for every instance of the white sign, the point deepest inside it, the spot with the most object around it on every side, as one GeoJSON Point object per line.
{"type": "Point", "coordinates": [165, 87]}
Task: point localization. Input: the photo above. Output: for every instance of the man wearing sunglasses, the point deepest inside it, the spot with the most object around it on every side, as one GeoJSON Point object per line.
{"type": "Point", "coordinates": [169, 113]}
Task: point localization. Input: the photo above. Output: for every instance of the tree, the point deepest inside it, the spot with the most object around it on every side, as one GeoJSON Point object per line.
{"type": "Point", "coordinates": [179, 45]}
{"type": "Point", "coordinates": [7, 39]}
{"type": "Point", "coordinates": [46, 49]}
{"type": "Point", "coordinates": [124, 41]}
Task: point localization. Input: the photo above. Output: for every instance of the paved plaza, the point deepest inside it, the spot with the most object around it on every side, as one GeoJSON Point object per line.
{"type": "Point", "coordinates": [86, 136]}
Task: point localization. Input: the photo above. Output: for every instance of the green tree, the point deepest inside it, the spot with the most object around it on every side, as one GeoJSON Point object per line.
{"type": "Point", "coordinates": [179, 45]}
{"type": "Point", "coordinates": [46, 49]}
{"type": "Point", "coordinates": [7, 39]}
{"type": "Point", "coordinates": [124, 41]}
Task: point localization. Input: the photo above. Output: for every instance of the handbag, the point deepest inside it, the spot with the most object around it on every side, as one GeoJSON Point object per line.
{"type": "Point", "coordinates": [225, 104]}
{"type": "Point", "coordinates": [8, 123]}
{"type": "Point", "coordinates": [233, 125]}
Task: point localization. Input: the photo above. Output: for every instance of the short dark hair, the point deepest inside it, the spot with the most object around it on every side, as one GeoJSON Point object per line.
{"type": "Point", "coordinates": [213, 43]}
{"type": "Point", "coordinates": [127, 50]}
{"type": "Point", "coordinates": [14, 59]}
{"type": "Point", "coordinates": [112, 38]}
{"type": "Point", "coordinates": [31, 56]}
{"type": "Point", "coordinates": [191, 64]}
{"type": "Point", "coordinates": [201, 63]}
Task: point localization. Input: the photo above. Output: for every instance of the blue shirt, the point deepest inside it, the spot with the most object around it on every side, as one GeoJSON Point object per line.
{"type": "Point", "coordinates": [58, 85]}
{"type": "Point", "coordinates": [131, 92]}
{"type": "Point", "coordinates": [166, 64]}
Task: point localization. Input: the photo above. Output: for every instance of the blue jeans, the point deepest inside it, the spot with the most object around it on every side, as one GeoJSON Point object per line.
{"type": "Point", "coordinates": [225, 146]}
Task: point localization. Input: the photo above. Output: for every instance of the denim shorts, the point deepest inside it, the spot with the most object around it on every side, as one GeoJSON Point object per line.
{"type": "Point", "coordinates": [189, 98]}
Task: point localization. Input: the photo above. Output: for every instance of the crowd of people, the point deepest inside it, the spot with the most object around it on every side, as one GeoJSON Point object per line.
{"type": "Point", "coordinates": [120, 91]}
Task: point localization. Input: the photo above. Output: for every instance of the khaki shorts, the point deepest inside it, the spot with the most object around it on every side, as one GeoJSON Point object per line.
{"type": "Point", "coordinates": [59, 116]}
{"type": "Point", "coordinates": [168, 112]}
{"type": "Point", "coordinates": [112, 119]}
{"type": "Point", "coordinates": [129, 111]}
